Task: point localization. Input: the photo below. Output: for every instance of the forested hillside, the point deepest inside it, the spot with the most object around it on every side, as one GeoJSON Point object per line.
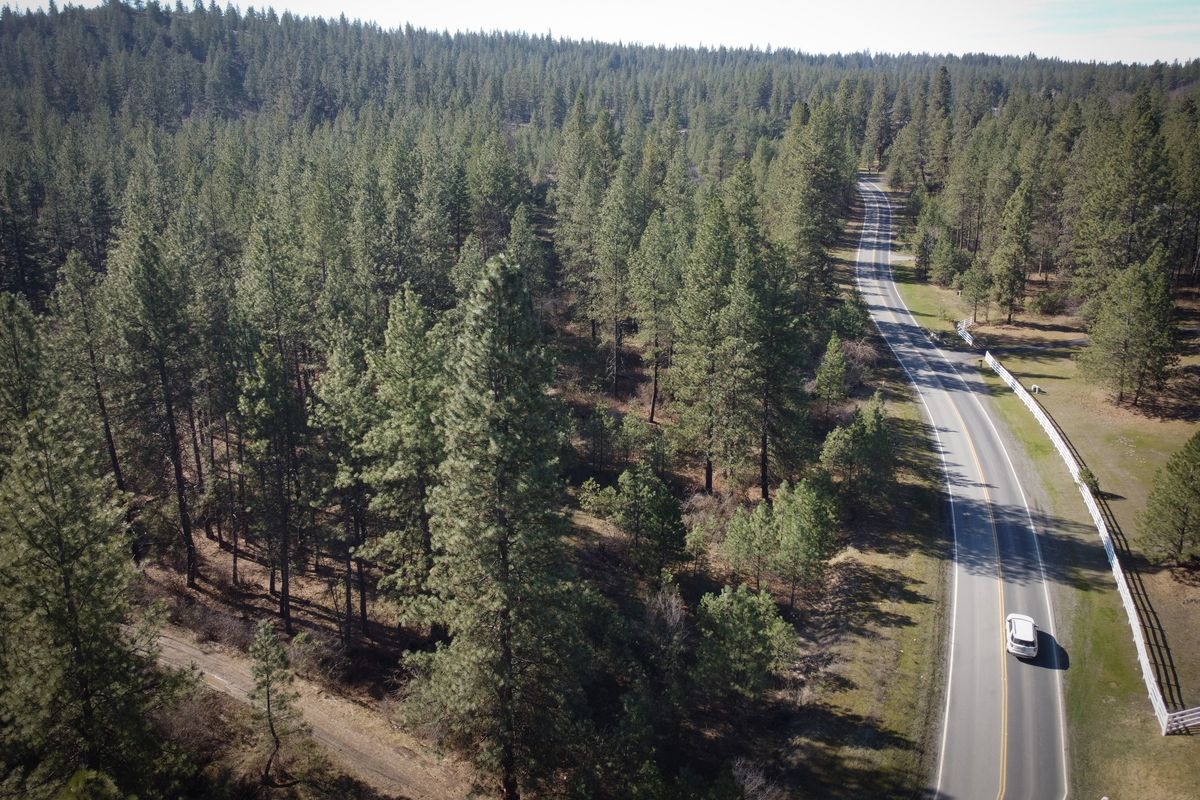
{"type": "Point", "coordinates": [396, 307]}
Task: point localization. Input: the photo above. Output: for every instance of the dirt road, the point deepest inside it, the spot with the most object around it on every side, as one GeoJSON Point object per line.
{"type": "Point", "coordinates": [361, 741]}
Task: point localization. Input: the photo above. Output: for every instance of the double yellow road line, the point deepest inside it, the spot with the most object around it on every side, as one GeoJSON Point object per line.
{"type": "Point", "coordinates": [1000, 588]}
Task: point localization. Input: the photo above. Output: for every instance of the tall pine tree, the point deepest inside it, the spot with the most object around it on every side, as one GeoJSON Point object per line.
{"type": "Point", "coordinates": [502, 688]}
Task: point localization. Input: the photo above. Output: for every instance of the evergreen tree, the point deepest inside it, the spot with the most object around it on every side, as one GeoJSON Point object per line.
{"type": "Point", "coordinates": [618, 232]}
{"type": "Point", "coordinates": [878, 134]}
{"type": "Point", "coordinates": [404, 445]}
{"type": "Point", "coordinates": [502, 688]}
{"type": "Point", "coordinates": [526, 250]}
{"type": "Point", "coordinates": [434, 225]}
{"type": "Point", "coordinates": [1121, 218]}
{"type": "Point", "coordinates": [831, 374]}
{"type": "Point", "coordinates": [810, 185]}
{"type": "Point", "coordinates": [1170, 523]}
{"type": "Point", "coordinates": [1132, 339]}
{"type": "Point", "coordinates": [878, 449]}
{"type": "Point", "coordinates": [976, 285]}
{"type": "Point", "coordinates": [654, 284]}
{"type": "Point", "coordinates": [494, 193]}
{"type": "Point", "coordinates": [22, 370]}
{"type": "Point", "coordinates": [861, 452]}
{"type": "Point", "coordinates": [274, 426]}
{"type": "Point", "coordinates": [947, 262]}
{"type": "Point", "coordinates": [698, 374]}
{"type": "Point", "coordinates": [644, 508]}
{"type": "Point", "coordinates": [762, 314]}
{"type": "Point", "coordinates": [75, 692]}
{"type": "Point", "coordinates": [82, 353]}
{"type": "Point", "coordinates": [342, 416]}
{"type": "Point", "coordinates": [1010, 262]}
{"type": "Point", "coordinates": [466, 271]}
{"type": "Point", "coordinates": [22, 267]}
{"type": "Point", "coordinates": [578, 193]}
{"type": "Point", "coordinates": [750, 542]}
{"type": "Point", "coordinates": [805, 518]}
{"type": "Point", "coordinates": [273, 698]}
{"type": "Point", "coordinates": [147, 301]}
{"type": "Point", "coordinates": [743, 641]}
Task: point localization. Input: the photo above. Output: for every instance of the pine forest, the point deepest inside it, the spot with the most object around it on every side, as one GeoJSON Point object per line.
{"type": "Point", "coordinates": [516, 386]}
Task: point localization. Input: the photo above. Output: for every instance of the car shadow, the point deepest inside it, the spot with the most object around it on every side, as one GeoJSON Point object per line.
{"type": "Point", "coordinates": [1051, 654]}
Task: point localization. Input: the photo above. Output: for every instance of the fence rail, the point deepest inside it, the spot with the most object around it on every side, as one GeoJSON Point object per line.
{"type": "Point", "coordinates": [1168, 721]}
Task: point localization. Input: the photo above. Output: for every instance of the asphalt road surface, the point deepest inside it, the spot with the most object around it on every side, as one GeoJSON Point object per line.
{"type": "Point", "coordinates": [1002, 731]}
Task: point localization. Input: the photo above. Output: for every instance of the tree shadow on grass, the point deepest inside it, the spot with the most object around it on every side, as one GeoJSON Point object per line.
{"type": "Point", "coordinates": [808, 751]}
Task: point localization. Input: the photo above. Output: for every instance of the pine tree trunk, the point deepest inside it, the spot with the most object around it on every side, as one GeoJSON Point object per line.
{"type": "Point", "coordinates": [214, 475]}
{"type": "Point", "coordinates": [708, 476]}
{"type": "Point", "coordinates": [654, 385]}
{"type": "Point", "coordinates": [285, 600]}
{"type": "Point", "coordinates": [191, 414]}
{"type": "Point", "coordinates": [185, 520]}
{"type": "Point", "coordinates": [362, 578]}
{"type": "Point", "coordinates": [215, 471]}
{"type": "Point", "coordinates": [763, 476]}
{"type": "Point", "coordinates": [240, 512]}
{"type": "Point", "coordinates": [349, 575]}
{"type": "Point", "coordinates": [1195, 255]}
{"type": "Point", "coordinates": [110, 445]}
{"type": "Point", "coordinates": [616, 356]}
{"type": "Point", "coordinates": [102, 407]}
{"type": "Point", "coordinates": [508, 776]}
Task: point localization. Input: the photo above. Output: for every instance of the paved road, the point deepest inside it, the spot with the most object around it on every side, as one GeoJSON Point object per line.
{"type": "Point", "coordinates": [1003, 725]}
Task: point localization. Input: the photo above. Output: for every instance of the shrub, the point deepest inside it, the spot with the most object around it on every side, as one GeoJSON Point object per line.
{"type": "Point", "coordinates": [1049, 304]}
{"type": "Point", "coordinates": [743, 640]}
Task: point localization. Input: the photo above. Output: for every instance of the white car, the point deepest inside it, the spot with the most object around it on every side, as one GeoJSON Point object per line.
{"type": "Point", "coordinates": [1021, 635]}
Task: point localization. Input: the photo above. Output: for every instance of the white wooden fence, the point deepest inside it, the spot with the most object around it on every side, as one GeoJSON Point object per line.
{"type": "Point", "coordinates": [1169, 721]}
{"type": "Point", "coordinates": [964, 333]}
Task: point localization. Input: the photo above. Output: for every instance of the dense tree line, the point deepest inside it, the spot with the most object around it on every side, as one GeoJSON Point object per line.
{"type": "Point", "coordinates": [295, 287]}
{"type": "Point", "coordinates": [1055, 201]}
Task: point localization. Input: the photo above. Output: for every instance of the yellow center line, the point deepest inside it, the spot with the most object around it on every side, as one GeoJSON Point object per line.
{"type": "Point", "coordinates": [1000, 587]}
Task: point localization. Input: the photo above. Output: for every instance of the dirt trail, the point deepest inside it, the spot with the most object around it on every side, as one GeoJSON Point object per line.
{"type": "Point", "coordinates": [361, 741]}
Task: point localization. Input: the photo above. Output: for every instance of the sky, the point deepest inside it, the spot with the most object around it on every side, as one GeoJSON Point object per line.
{"type": "Point", "coordinates": [1078, 30]}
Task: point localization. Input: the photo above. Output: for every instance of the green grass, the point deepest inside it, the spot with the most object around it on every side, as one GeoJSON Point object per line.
{"type": "Point", "coordinates": [933, 307]}
{"type": "Point", "coordinates": [882, 689]}
{"type": "Point", "coordinates": [892, 659]}
{"type": "Point", "coordinates": [1115, 746]}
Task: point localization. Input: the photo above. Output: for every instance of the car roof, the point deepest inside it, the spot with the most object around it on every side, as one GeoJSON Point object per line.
{"type": "Point", "coordinates": [1023, 626]}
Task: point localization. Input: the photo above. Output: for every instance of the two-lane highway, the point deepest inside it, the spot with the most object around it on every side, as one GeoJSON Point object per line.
{"type": "Point", "coordinates": [1002, 730]}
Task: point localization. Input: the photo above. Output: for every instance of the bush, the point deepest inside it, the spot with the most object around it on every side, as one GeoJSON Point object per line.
{"type": "Point", "coordinates": [743, 640]}
{"type": "Point", "coordinates": [1049, 304]}
{"type": "Point", "coordinates": [1089, 479]}
{"type": "Point", "coordinates": [595, 500]}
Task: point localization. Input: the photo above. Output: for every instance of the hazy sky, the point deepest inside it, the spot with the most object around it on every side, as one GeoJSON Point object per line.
{"type": "Point", "coordinates": [1086, 30]}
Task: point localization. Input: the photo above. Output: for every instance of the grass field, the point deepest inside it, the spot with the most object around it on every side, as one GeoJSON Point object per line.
{"type": "Point", "coordinates": [1115, 745]}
